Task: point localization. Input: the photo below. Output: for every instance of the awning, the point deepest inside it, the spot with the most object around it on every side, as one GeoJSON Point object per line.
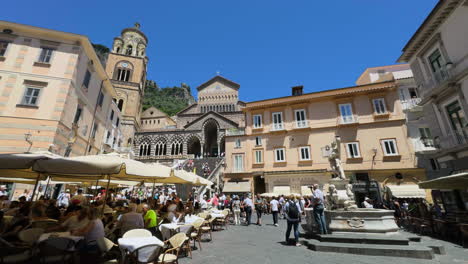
{"type": "Point", "coordinates": [236, 187]}
{"type": "Point", "coordinates": [457, 182]}
{"type": "Point", "coordinates": [406, 191]}
{"type": "Point", "coordinates": [305, 190]}
{"type": "Point", "coordinates": [284, 190]}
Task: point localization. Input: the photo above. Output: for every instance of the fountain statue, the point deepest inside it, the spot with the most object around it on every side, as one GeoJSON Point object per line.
{"type": "Point", "coordinates": [342, 214]}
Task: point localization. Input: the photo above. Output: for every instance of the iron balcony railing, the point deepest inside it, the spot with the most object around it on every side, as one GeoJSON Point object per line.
{"type": "Point", "coordinates": [436, 80]}
{"type": "Point", "coordinates": [452, 140]}
{"type": "Point", "coordinates": [349, 119]}
{"type": "Point", "coordinates": [302, 123]}
{"type": "Point", "coordinates": [277, 126]}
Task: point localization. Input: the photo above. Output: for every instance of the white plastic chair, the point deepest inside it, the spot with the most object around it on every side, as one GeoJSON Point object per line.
{"type": "Point", "coordinates": [137, 233]}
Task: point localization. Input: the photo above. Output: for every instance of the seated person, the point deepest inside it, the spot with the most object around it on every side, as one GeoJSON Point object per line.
{"type": "Point", "coordinates": [92, 231]}
{"type": "Point", "coordinates": [130, 220]}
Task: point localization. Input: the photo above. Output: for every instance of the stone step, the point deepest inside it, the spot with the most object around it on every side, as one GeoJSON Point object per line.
{"type": "Point", "coordinates": [411, 251]}
{"type": "Point", "coordinates": [365, 239]}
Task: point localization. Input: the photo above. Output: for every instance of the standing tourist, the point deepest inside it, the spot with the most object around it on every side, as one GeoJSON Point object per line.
{"type": "Point", "coordinates": [318, 204]}
{"type": "Point", "coordinates": [64, 199]}
{"type": "Point", "coordinates": [80, 197]}
{"type": "Point", "coordinates": [248, 205]}
{"type": "Point", "coordinates": [259, 208]}
{"type": "Point", "coordinates": [292, 211]}
{"type": "Point", "coordinates": [274, 204]}
{"type": "Point", "coordinates": [282, 203]}
{"type": "Point", "coordinates": [236, 209]}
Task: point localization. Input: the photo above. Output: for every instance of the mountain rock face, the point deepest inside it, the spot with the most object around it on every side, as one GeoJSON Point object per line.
{"type": "Point", "coordinates": [170, 100]}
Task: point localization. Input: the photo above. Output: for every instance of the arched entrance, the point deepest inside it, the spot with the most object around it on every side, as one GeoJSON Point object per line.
{"type": "Point", "coordinates": [210, 130]}
{"type": "Point", "coordinates": [194, 146]}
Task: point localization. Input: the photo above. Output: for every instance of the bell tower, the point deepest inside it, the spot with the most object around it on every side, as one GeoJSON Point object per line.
{"type": "Point", "coordinates": [126, 66]}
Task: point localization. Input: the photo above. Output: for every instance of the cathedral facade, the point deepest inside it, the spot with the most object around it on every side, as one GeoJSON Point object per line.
{"type": "Point", "coordinates": [196, 131]}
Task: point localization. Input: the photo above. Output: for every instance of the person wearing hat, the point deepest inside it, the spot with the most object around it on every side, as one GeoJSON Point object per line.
{"type": "Point", "coordinates": [367, 203]}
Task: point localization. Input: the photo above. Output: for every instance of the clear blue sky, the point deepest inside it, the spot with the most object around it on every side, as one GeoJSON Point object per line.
{"type": "Point", "coordinates": [266, 46]}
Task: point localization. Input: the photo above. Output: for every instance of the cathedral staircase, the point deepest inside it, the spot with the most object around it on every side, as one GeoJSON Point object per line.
{"type": "Point", "coordinates": [215, 164]}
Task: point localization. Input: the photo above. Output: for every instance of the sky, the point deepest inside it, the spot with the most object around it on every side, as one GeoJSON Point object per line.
{"type": "Point", "coordinates": [267, 46]}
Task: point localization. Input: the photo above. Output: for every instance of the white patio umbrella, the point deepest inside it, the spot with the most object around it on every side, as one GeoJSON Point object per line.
{"type": "Point", "coordinates": [20, 166]}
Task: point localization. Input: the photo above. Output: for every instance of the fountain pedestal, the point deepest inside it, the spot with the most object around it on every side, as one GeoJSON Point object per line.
{"type": "Point", "coordinates": [361, 220]}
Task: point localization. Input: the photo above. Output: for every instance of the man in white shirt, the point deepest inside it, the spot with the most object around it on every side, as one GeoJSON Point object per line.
{"type": "Point", "coordinates": [162, 198]}
{"type": "Point", "coordinates": [274, 210]}
{"type": "Point", "coordinates": [248, 205]}
{"type": "Point", "coordinates": [203, 203]}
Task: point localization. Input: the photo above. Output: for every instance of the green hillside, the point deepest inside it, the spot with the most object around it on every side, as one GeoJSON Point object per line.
{"type": "Point", "coordinates": [170, 100]}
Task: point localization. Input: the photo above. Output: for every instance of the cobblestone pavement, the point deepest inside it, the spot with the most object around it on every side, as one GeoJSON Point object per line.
{"type": "Point", "coordinates": [265, 245]}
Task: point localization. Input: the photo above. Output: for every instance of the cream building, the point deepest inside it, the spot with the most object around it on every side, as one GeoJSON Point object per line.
{"type": "Point", "coordinates": [287, 140]}
{"type": "Point", "coordinates": [54, 94]}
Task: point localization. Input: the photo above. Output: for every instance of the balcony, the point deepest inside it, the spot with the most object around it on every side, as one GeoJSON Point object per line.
{"type": "Point", "coordinates": [438, 79]}
{"type": "Point", "coordinates": [411, 104]}
{"type": "Point", "coordinates": [302, 124]}
{"type": "Point", "coordinates": [277, 127]}
{"type": "Point", "coordinates": [452, 140]}
{"type": "Point", "coordinates": [348, 120]}
{"type": "Point", "coordinates": [235, 132]}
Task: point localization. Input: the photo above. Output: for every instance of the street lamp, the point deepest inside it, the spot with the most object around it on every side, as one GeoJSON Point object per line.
{"type": "Point", "coordinates": [27, 137]}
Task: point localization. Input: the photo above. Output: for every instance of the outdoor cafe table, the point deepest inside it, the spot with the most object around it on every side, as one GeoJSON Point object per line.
{"type": "Point", "coordinates": [217, 215]}
{"type": "Point", "coordinates": [129, 244]}
{"type": "Point", "coordinates": [168, 230]}
{"type": "Point", "coordinates": [190, 219]}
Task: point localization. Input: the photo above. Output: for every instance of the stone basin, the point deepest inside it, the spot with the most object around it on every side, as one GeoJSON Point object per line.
{"type": "Point", "coordinates": [361, 220]}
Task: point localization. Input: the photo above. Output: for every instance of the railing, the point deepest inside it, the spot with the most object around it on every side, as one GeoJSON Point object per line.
{"type": "Point", "coordinates": [351, 119]}
{"type": "Point", "coordinates": [410, 103]}
{"type": "Point", "coordinates": [235, 132]}
{"type": "Point", "coordinates": [163, 157]}
{"type": "Point", "coordinates": [454, 139]}
{"type": "Point", "coordinates": [302, 123]}
{"type": "Point", "coordinates": [277, 126]}
{"type": "Point", "coordinates": [437, 78]}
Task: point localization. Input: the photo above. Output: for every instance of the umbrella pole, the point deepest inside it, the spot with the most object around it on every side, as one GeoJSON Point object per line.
{"type": "Point", "coordinates": [96, 189]}
{"type": "Point", "coordinates": [105, 196]}
{"type": "Point", "coordinates": [47, 186]}
{"type": "Point", "coordinates": [35, 186]}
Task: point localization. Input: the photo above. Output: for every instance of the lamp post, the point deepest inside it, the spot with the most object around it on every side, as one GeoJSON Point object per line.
{"type": "Point", "coordinates": [27, 137]}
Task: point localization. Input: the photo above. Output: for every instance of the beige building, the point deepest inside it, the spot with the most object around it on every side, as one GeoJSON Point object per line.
{"type": "Point", "coordinates": [54, 93]}
{"type": "Point", "coordinates": [287, 141]}
{"type": "Point", "coordinates": [153, 118]}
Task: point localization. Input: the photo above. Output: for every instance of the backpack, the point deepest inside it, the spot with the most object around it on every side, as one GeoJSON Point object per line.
{"type": "Point", "coordinates": [293, 211]}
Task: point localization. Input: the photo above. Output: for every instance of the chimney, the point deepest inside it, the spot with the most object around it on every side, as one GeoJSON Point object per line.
{"type": "Point", "coordinates": [297, 90]}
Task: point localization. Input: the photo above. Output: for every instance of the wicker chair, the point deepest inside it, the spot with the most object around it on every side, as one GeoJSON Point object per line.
{"type": "Point", "coordinates": [137, 233]}
{"type": "Point", "coordinates": [207, 227]}
{"type": "Point", "coordinates": [223, 221]}
{"type": "Point", "coordinates": [171, 255]}
{"type": "Point", "coordinates": [30, 236]}
{"type": "Point", "coordinates": [197, 232]}
{"type": "Point", "coordinates": [146, 254]}
{"type": "Point", "coordinates": [56, 250]}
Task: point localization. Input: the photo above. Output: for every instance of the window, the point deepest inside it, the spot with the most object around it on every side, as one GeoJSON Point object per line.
{"type": "Point", "coordinates": [435, 60]}
{"type": "Point", "coordinates": [379, 106]}
{"type": "Point", "coordinates": [278, 121]}
{"type": "Point", "coordinates": [457, 120]}
{"type": "Point", "coordinates": [3, 48]}
{"type": "Point", "coordinates": [413, 93]}
{"type": "Point", "coordinates": [304, 153]}
{"type": "Point", "coordinates": [238, 143]}
{"type": "Point", "coordinates": [258, 141]}
{"type": "Point", "coordinates": [280, 155]}
{"type": "Point", "coordinates": [346, 113]}
{"type": "Point", "coordinates": [78, 112]}
{"type": "Point", "coordinates": [389, 147]}
{"type": "Point", "coordinates": [352, 149]}
{"type": "Point", "coordinates": [111, 117]}
{"type": "Point", "coordinates": [426, 137]}
{"type": "Point", "coordinates": [123, 75]}
{"type": "Point", "coordinates": [300, 118]}
{"type": "Point", "coordinates": [129, 50]}
{"type": "Point", "coordinates": [434, 164]}
{"type": "Point", "coordinates": [86, 79]}
{"type": "Point", "coordinates": [94, 131]}
{"type": "Point", "coordinates": [120, 104]}
{"type": "Point", "coordinates": [31, 95]}
{"type": "Point", "coordinates": [258, 156]}
{"type": "Point", "coordinates": [100, 99]}
{"type": "Point", "coordinates": [46, 55]}
{"type": "Point", "coordinates": [238, 163]}
{"type": "Point", "coordinates": [257, 121]}
{"type": "Point", "coordinates": [117, 122]}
